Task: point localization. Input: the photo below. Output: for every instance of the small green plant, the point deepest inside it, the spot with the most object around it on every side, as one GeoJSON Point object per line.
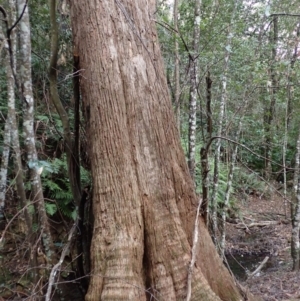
{"type": "Point", "coordinates": [57, 187]}
{"type": "Point", "coordinates": [248, 183]}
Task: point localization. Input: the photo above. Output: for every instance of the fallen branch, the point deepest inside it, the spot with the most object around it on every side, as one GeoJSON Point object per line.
{"type": "Point", "coordinates": [257, 224]}
{"type": "Point", "coordinates": [58, 265]}
{"type": "Point", "coordinates": [259, 267]}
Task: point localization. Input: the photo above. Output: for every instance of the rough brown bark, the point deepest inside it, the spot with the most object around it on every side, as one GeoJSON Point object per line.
{"type": "Point", "coordinates": [143, 197]}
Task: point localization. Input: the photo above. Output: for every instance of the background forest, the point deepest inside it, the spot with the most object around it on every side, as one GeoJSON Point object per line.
{"type": "Point", "coordinates": [233, 73]}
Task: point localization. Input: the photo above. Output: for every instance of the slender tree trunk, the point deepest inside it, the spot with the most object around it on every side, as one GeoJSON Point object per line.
{"type": "Point", "coordinates": [293, 61]}
{"type": "Point", "coordinates": [15, 143]}
{"type": "Point", "coordinates": [209, 126]}
{"type": "Point", "coordinates": [6, 143]}
{"type": "Point", "coordinates": [295, 204]}
{"type": "Point", "coordinates": [228, 190]}
{"type": "Point", "coordinates": [176, 68]}
{"type": "Point", "coordinates": [214, 201]}
{"type": "Point", "coordinates": [28, 130]}
{"type": "Point", "coordinates": [193, 90]}
{"type": "Point", "coordinates": [284, 148]}
{"type": "Point", "coordinates": [271, 110]}
{"type": "Point", "coordinates": [4, 165]}
{"type": "Point", "coordinates": [144, 202]}
{"type": "Point", "coordinates": [71, 145]}
{"type": "Point", "coordinates": [5, 155]}
{"type": "Point", "coordinates": [204, 153]}
{"type": "Point", "coordinates": [295, 212]}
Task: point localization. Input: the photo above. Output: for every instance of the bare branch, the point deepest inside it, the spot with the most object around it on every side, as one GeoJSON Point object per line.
{"type": "Point", "coordinates": [259, 267]}
{"type": "Point", "coordinates": [58, 265]}
{"type": "Point", "coordinates": [194, 252]}
{"type": "Point", "coordinates": [285, 14]}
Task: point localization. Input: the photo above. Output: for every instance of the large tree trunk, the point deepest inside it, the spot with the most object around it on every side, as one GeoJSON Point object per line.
{"type": "Point", "coordinates": [143, 197]}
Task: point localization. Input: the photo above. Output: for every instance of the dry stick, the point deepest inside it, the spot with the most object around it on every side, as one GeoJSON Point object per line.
{"type": "Point", "coordinates": [61, 260]}
{"type": "Point", "coordinates": [256, 224]}
{"type": "Point", "coordinates": [193, 259]}
{"type": "Point", "coordinates": [259, 267]}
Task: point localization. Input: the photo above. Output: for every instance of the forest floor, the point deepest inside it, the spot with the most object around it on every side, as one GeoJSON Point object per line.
{"type": "Point", "coordinates": [263, 229]}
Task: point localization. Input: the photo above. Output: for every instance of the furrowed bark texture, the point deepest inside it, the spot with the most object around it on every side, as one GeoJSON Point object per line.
{"type": "Point", "coordinates": [143, 197]}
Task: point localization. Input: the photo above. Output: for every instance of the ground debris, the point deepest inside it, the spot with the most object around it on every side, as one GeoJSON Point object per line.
{"type": "Point", "coordinates": [263, 230]}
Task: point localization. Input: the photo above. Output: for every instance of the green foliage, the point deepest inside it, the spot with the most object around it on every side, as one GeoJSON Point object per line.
{"type": "Point", "coordinates": [35, 227]}
{"type": "Point", "coordinates": [222, 186]}
{"type": "Point", "coordinates": [51, 209]}
{"type": "Point", "coordinates": [248, 183]}
{"type": "Point", "coordinates": [57, 187]}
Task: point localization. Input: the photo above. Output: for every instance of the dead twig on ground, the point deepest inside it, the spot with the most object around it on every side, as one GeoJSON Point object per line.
{"type": "Point", "coordinates": [259, 267]}
{"type": "Point", "coordinates": [58, 265]}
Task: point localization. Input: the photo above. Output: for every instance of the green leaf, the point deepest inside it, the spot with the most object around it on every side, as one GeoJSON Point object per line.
{"type": "Point", "coordinates": [51, 208]}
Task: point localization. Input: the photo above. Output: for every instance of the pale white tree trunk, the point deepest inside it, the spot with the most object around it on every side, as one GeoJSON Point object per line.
{"type": "Point", "coordinates": [295, 208]}
{"type": "Point", "coordinates": [193, 90]}
{"type": "Point", "coordinates": [4, 164]}
{"type": "Point", "coordinates": [228, 190]}
{"type": "Point", "coordinates": [15, 143]}
{"type": "Point", "coordinates": [284, 149]}
{"type": "Point", "coordinates": [6, 142]}
{"type": "Point", "coordinates": [295, 205]}
{"type": "Point", "coordinates": [214, 201]}
{"type": "Point", "coordinates": [270, 111]}
{"type": "Point", "coordinates": [28, 129]}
